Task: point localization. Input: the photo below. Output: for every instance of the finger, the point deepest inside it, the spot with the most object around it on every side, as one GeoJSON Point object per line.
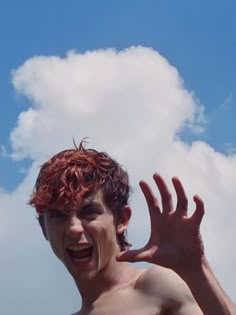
{"type": "Point", "coordinates": [166, 198]}
{"type": "Point", "coordinates": [152, 203]}
{"type": "Point", "coordinates": [182, 201]}
{"type": "Point", "coordinates": [151, 199]}
{"type": "Point", "coordinates": [199, 211]}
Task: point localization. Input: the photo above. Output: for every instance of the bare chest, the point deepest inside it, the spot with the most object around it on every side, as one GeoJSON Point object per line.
{"type": "Point", "coordinates": [127, 303]}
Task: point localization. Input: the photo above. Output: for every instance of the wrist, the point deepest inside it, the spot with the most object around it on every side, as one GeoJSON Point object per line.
{"type": "Point", "coordinates": [206, 289]}
{"type": "Point", "coordinates": [194, 271]}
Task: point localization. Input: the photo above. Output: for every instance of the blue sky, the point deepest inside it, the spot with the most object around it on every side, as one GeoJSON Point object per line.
{"type": "Point", "coordinates": [196, 38]}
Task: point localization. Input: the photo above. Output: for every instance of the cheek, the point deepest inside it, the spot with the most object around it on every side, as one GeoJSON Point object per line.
{"type": "Point", "coordinates": [103, 234]}
{"type": "Point", "coordinates": [56, 242]}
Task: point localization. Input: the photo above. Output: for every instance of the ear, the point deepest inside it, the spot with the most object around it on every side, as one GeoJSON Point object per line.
{"type": "Point", "coordinates": [42, 224]}
{"type": "Point", "coordinates": [124, 218]}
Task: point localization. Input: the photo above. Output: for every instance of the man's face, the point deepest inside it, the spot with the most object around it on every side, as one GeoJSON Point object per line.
{"type": "Point", "coordinates": [83, 239]}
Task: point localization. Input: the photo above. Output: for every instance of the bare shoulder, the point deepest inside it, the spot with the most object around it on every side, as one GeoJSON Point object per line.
{"type": "Point", "coordinates": [163, 281]}
{"type": "Point", "coordinates": [168, 288]}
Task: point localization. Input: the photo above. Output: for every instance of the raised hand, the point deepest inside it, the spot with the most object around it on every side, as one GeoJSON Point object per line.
{"type": "Point", "coordinates": [175, 241]}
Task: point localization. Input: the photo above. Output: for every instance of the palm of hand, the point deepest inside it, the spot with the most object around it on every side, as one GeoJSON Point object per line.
{"type": "Point", "coordinates": [175, 240]}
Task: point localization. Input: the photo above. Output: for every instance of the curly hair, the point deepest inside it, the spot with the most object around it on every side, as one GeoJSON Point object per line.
{"type": "Point", "coordinates": [73, 174]}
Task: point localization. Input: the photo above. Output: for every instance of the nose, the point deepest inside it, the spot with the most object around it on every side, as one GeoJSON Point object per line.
{"type": "Point", "coordinates": [74, 227]}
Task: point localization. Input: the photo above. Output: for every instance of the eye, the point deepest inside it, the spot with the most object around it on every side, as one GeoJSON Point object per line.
{"type": "Point", "coordinates": [89, 213]}
{"type": "Point", "coordinates": [56, 214]}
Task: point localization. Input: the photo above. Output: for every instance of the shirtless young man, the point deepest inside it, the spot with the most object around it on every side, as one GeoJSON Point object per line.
{"type": "Point", "coordinates": [81, 196]}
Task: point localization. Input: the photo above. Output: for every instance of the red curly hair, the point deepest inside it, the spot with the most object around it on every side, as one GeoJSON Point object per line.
{"type": "Point", "coordinates": [72, 174]}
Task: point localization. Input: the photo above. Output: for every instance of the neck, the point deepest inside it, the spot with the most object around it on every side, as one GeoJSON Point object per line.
{"type": "Point", "coordinates": [114, 275]}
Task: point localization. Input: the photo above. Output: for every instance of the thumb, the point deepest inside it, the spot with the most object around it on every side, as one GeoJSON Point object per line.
{"type": "Point", "coordinates": [133, 255]}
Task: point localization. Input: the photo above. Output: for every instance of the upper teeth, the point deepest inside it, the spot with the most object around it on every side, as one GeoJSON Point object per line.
{"type": "Point", "coordinates": [78, 247]}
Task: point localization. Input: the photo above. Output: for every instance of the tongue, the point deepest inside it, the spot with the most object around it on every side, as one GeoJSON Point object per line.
{"type": "Point", "coordinates": [81, 253]}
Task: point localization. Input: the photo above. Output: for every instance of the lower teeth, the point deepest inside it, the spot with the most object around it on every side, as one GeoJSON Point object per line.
{"type": "Point", "coordinates": [85, 259]}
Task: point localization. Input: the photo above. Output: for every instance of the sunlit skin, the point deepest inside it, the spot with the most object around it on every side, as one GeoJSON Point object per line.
{"type": "Point", "coordinates": [180, 281]}
{"type": "Point", "coordinates": [91, 223]}
{"type": "Point", "coordinates": [175, 240]}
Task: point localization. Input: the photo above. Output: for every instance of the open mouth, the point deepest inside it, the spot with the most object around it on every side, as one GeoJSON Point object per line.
{"type": "Point", "coordinates": [80, 253]}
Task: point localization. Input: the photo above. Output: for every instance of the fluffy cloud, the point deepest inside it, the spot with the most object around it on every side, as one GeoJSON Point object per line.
{"type": "Point", "coordinates": [104, 95]}
{"type": "Point", "coordinates": [132, 104]}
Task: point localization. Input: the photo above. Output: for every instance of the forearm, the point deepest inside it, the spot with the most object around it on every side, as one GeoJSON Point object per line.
{"type": "Point", "coordinates": [208, 293]}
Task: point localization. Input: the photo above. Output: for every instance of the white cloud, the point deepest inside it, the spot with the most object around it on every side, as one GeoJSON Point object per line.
{"type": "Point", "coordinates": [132, 104]}
{"type": "Point", "coordinates": [3, 153]}
{"type": "Point", "coordinates": [103, 94]}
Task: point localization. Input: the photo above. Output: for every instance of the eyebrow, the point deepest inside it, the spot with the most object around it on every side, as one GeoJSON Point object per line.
{"type": "Point", "coordinates": [48, 210]}
{"type": "Point", "coordinates": [90, 203]}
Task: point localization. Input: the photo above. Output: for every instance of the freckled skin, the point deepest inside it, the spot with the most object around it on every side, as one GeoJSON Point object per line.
{"type": "Point", "coordinates": [179, 279]}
